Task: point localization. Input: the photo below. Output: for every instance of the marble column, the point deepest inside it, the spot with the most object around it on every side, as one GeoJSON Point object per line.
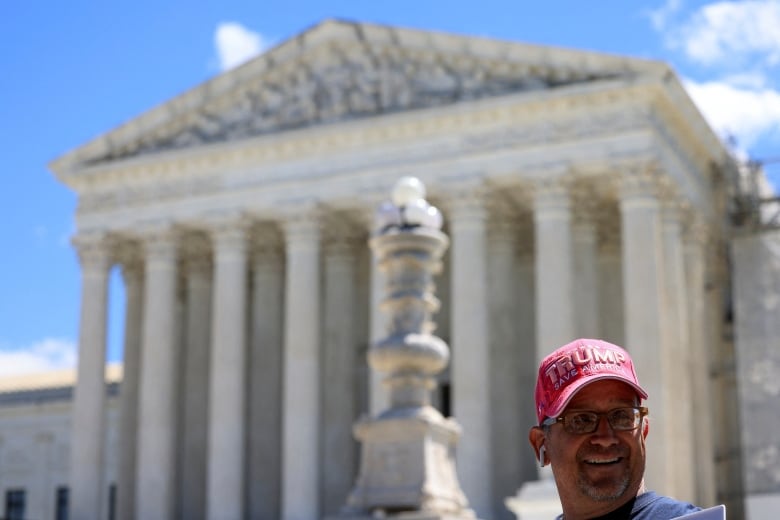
{"type": "Point", "coordinates": [471, 348]}
{"type": "Point", "coordinates": [680, 364]}
{"type": "Point", "coordinates": [41, 506]}
{"type": "Point", "coordinates": [133, 274]}
{"type": "Point", "coordinates": [195, 391]}
{"type": "Point", "coordinates": [585, 266]}
{"type": "Point", "coordinates": [88, 415]}
{"type": "Point", "coordinates": [643, 287]}
{"type": "Point", "coordinates": [524, 316]}
{"type": "Point", "coordinates": [338, 370]}
{"type": "Point", "coordinates": [225, 479]}
{"type": "Point", "coordinates": [703, 447]}
{"type": "Point", "coordinates": [300, 484]}
{"type": "Point", "coordinates": [157, 400]}
{"type": "Point", "coordinates": [264, 419]}
{"type": "Point", "coordinates": [505, 364]}
{"type": "Point", "coordinates": [611, 319]}
{"type": "Point", "coordinates": [555, 322]}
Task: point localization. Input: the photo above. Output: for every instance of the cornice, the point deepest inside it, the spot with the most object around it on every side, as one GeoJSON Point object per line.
{"type": "Point", "coordinates": [478, 128]}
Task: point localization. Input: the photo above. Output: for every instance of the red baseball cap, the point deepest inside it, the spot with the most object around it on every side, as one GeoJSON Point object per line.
{"type": "Point", "coordinates": [583, 361]}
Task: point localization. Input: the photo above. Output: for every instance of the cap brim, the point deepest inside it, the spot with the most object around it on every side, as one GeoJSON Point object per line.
{"type": "Point", "coordinates": [560, 404]}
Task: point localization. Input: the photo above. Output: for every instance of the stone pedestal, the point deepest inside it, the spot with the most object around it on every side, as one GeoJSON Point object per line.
{"type": "Point", "coordinates": [408, 467]}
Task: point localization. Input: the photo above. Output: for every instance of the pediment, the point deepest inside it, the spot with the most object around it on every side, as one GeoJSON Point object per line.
{"type": "Point", "coordinates": [337, 71]}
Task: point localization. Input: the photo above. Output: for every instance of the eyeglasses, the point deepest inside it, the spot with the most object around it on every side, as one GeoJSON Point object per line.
{"type": "Point", "coordinates": [582, 422]}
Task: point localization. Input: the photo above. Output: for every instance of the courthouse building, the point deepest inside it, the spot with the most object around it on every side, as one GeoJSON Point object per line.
{"type": "Point", "coordinates": [584, 196]}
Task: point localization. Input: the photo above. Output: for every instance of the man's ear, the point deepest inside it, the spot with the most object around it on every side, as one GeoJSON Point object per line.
{"type": "Point", "coordinates": [536, 437]}
{"type": "Point", "coordinates": [645, 427]}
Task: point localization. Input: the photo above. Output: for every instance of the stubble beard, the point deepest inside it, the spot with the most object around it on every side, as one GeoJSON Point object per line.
{"type": "Point", "coordinates": [614, 491]}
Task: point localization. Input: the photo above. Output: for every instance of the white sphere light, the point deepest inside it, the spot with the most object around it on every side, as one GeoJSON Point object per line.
{"type": "Point", "coordinates": [416, 212]}
{"type": "Point", "coordinates": [434, 218]}
{"type": "Point", "coordinates": [408, 189]}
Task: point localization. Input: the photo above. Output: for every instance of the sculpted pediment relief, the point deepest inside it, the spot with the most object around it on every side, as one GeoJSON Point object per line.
{"type": "Point", "coordinates": [339, 71]}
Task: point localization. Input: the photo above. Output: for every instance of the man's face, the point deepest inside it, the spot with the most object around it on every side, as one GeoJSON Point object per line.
{"type": "Point", "coordinates": [599, 471]}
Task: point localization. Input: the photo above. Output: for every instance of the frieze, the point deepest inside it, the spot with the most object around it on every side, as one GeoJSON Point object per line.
{"type": "Point", "coordinates": [176, 184]}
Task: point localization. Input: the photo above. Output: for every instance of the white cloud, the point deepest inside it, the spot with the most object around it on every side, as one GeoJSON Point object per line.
{"type": "Point", "coordinates": [723, 33]}
{"type": "Point", "coordinates": [738, 110]}
{"type": "Point", "coordinates": [659, 18]}
{"type": "Point", "coordinates": [236, 44]}
{"type": "Point", "coordinates": [46, 355]}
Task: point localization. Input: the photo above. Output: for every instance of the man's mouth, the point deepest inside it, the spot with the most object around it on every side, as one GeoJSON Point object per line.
{"type": "Point", "coordinates": [603, 462]}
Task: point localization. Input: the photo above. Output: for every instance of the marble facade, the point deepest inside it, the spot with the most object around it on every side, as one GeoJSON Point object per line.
{"type": "Point", "coordinates": [582, 193]}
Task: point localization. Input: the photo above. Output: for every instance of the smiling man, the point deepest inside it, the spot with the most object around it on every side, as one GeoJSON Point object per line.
{"type": "Point", "coordinates": [592, 429]}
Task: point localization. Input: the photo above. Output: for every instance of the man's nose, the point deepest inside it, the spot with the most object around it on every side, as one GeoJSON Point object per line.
{"type": "Point", "coordinates": [604, 434]}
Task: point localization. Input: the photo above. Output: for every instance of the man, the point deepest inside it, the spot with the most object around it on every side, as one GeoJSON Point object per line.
{"type": "Point", "coordinates": [592, 429]}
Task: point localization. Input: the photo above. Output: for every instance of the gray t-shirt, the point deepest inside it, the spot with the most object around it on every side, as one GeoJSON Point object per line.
{"type": "Point", "coordinates": [649, 506]}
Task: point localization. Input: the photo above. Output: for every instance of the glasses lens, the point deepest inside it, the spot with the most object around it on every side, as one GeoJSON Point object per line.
{"type": "Point", "coordinates": [581, 422]}
{"type": "Point", "coordinates": [623, 418]}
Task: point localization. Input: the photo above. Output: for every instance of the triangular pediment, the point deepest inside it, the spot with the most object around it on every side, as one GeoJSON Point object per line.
{"type": "Point", "coordinates": [338, 71]}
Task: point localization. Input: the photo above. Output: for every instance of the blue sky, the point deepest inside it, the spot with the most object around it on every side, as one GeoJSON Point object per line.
{"type": "Point", "coordinates": [74, 70]}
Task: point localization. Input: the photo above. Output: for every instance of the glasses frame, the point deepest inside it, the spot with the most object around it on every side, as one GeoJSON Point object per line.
{"type": "Point", "coordinates": [642, 410]}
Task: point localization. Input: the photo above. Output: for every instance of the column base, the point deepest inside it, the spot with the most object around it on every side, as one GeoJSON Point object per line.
{"type": "Point", "coordinates": [407, 468]}
{"type": "Point", "coordinates": [536, 500]}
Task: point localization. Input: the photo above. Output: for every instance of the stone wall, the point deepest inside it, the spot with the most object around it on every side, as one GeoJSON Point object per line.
{"type": "Point", "coordinates": [756, 268]}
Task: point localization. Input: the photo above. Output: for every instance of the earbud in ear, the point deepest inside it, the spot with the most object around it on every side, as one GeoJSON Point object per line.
{"type": "Point", "coordinates": [541, 456]}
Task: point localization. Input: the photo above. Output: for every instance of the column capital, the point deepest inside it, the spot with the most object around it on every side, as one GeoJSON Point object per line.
{"type": "Point", "coordinates": [551, 197]}
{"type": "Point", "coordinates": [639, 181]}
{"type": "Point", "coordinates": [196, 252]}
{"type": "Point", "coordinates": [159, 241]}
{"type": "Point", "coordinates": [673, 210]}
{"type": "Point", "coordinates": [696, 230]}
{"type": "Point", "coordinates": [468, 211]}
{"type": "Point", "coordinates": [551, 187]}
{"type": "Point", "coordinates": [466, 202]}
{"type": "Point", "coordinates": [94, 251]}
{"type": "Point", "coordinates": [673, 204]}
{"type": "Point", "coordinates": [229, 231]}
{"type": "Point", "coordinates": [304, 227]}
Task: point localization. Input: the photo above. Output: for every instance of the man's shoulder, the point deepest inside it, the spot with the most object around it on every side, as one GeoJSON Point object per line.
{"type": "Point", "coordinates": [651, 505]}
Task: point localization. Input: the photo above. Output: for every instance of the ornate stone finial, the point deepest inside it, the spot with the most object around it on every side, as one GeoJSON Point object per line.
{"type": "Point", "coordinates": [408, 247]}
{"type": "Point", "coordinates": [407, 467]}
